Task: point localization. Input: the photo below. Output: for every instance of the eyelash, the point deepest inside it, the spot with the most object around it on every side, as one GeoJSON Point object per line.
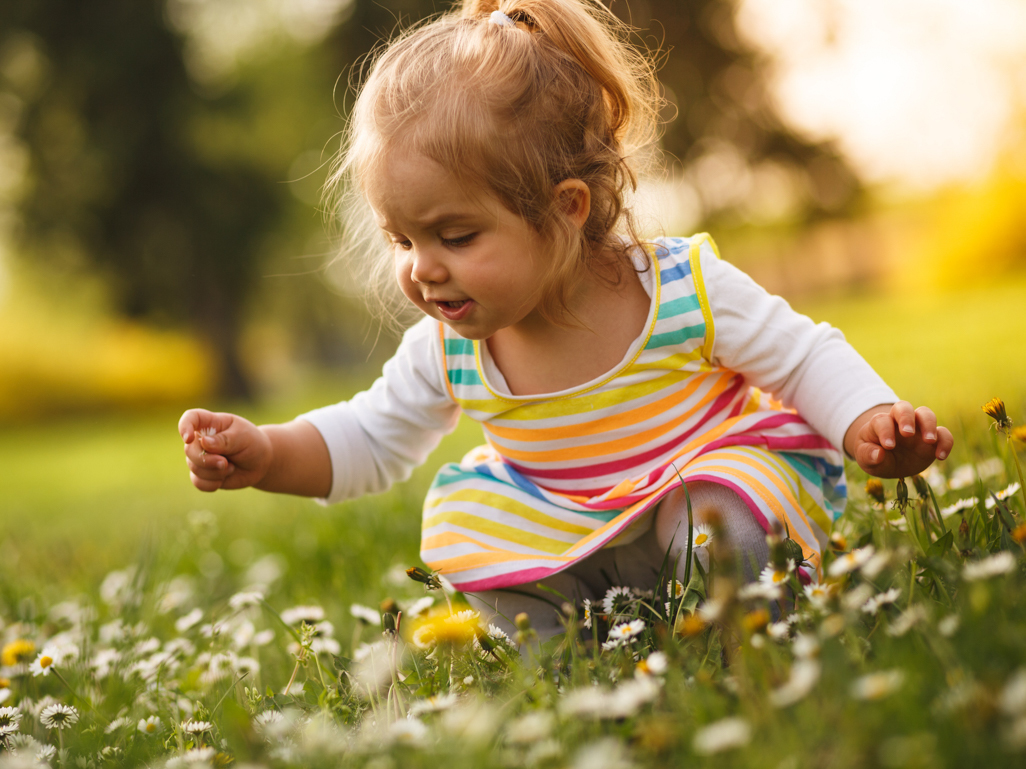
{"type": "Point", "coordinates": [450, 242]}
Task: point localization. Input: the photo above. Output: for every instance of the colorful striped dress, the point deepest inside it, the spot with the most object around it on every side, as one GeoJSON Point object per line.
{"type": "Point", "coordinates": [564, 475]}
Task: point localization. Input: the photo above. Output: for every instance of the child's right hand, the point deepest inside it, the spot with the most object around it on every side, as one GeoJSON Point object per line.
{"type": "Point", "coordinates": [237, 454]}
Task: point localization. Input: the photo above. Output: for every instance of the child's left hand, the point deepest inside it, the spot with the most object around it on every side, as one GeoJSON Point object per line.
{"type": "Point", "coordinates": [897, 441]}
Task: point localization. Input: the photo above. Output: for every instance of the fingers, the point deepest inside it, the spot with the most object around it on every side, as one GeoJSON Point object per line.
{"type": "Point", "coordinates": [905, 418]}
{"type": "Point", "coordinates": [207, 472]}
{"type": "Point", "coordinates": [945, 442]}
{"type": "Point", "coordinates": [195, 420]}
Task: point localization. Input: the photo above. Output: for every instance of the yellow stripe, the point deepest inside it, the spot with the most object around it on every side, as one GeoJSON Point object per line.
{"type": "Point", "coordinates": [694, 253]}
{"type": "Point", "coordinates": [605, 425]}
{"type": "Point", "coordinates": [506, 504]}
{"type": "Point", "coordinates": [476, 560]}
{"type": "Point", "coordinates": [498, 530]}
{"type": "Point", "coordinates": [544, 409]}
{"type": "Point", "coordinates": [612, 447]}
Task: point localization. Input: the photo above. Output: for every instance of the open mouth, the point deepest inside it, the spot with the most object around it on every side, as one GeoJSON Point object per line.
{"type": "Point", "coordinates": [454, 310]}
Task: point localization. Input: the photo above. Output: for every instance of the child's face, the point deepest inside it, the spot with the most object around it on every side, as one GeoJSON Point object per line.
{"type": "Point", "coordinates": [462, 258]}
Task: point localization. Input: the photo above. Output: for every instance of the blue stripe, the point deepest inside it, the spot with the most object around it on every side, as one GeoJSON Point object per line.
{"type": "Point", "coordinates": [461, 376]}
{"type": "Point", "coordinates": [679, 336]}
{"type": "Point", "coordinates": [459, 347]}
{"type": "Point", "coordinates": [677, 272]}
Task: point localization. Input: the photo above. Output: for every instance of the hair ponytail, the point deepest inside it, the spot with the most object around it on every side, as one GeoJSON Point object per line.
{"type": "Point", "coordinates": [515, 110]}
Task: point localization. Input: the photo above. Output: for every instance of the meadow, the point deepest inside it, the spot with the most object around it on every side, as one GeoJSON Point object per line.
{"type": "Point", "coordinates": [145, 624]}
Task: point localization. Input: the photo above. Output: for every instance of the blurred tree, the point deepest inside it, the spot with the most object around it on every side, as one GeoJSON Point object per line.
{"type": "Point", "coordinates": [115, 174]}
{"type": "Point", "coordinates": [719, 107]}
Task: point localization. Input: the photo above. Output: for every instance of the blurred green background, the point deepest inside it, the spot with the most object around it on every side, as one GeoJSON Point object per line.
{"type": "Point", "coordinates": [162, 243]}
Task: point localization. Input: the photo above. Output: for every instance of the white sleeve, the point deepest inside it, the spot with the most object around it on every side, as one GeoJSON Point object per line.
{"type": "Point", "coordinates": [808, 366]}
{"type": "Point", "coordinates": [380, 435]}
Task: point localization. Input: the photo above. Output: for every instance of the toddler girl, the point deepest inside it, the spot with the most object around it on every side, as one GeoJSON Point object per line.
{"type": "Point", "coordinates": [493, 148]}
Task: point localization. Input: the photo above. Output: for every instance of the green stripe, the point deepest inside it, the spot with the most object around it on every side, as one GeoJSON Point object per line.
{"type": "Point", "coordinates": [679, 306]}
{"type": "Point", "coordinates": [464, 376]}
{"type": "Point", "coordinates": [459, 347]}
{"type": "Point", "coordinates": [679, 336]}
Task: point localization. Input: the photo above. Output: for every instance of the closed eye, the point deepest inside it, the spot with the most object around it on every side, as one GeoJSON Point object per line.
{"type": "Point", "coordinates": [462, 240]}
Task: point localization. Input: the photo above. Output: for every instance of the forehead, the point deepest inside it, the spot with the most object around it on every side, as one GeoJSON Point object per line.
{"type": "Point", "coordinates": [406, 186]}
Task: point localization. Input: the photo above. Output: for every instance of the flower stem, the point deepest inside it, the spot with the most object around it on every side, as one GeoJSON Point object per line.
{"type": "Point", "coordinates": [1018, 469]}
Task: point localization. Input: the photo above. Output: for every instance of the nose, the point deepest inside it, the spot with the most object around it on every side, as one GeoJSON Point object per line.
{"type": "Point", "coordinates": [426, 267]}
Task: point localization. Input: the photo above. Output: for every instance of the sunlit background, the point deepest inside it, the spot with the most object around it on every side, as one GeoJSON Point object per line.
{"type": "Point", "coordinates": [162, 243]}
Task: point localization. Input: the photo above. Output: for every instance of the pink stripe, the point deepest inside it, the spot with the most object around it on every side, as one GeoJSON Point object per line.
{"type": "Point", "coordinates": [620, 465]}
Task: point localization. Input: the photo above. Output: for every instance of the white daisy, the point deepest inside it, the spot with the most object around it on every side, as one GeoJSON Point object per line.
{"type": "Point", "coordinates": [419, 606]}
{"type": "Point", "coordinates": [58, 716]}
{"type": "Point", "coordinates": [610, 600]}
{"type": "Point", "coordinates": [308, 614]}
{"type": "Point", "coordinates": [655, 664]}
{"type": "Point", "coordinates": [45, 753]}
{"type": "Point", "coordinates": [722, 735]}
{"type": "Point", "coordinates": [245, 599]}
{"type": "Point", "coordinates": [777, 577]}
{"type": "Point", "coordinates": [189, 620]}
{"type": "Point", "coordinates": [992, 566]}
{"type": "Point", "coordinates": [872, 606]}
{"type": "Point", "coordinates": [675, 589]}
{"type": "Point", "coordinates": [703, 535]}
{"type": "Point", "coordinates": [804, 675]}
{"type": "Point", "coordinates": [760, 590]}
{"type": "Point", "coordinates": [149, 725]}
{"type": "Point", "coordinates": [48, 657]}
{"type": "Point", "coordinates": [851, 561]}
{"type": "Point", "coordinates": [498, 633]}
{"type": "Point", "coordinates": [805, 646]}
{"type": "Point", "coordinates": [819, 593]}
{"type": "Point", "coordinates": [624, 632]}
{"type": "Point", "coordinates": [948, 625]}
{"type": "Point", "coordinates": [117, 723]}
{"type": "Point", "coordinates": [196, 727]}
{"type": "Point", "coordinates": [432, 704]}
{"type": "Point", "coordinates": [1002, 495]}
{"type": "Point", "coordinates": [365, 614]}
{"type": "Point", "coordinates": [959, 506]}
{"type": "Point", "coordinates": [876, 686]}
{"type": "Point", "coordinates": [530, 728]}
{"type": "Point", "coordinates": [9, 720]}
{"type": "Point", "coordinates": [587, 613]}
{"type": "Point", "coordinates": [907, 620]}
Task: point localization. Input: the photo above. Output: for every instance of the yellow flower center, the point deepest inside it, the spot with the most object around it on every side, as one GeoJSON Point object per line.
{"type": "Point", "coordinates": [779, 575]}
{"type": "Point", "coordinates": [701, 539]}
{"type": "Point", "coordinates": [45, 662]}
{"type": "Point", "coordinates": [151, 727]}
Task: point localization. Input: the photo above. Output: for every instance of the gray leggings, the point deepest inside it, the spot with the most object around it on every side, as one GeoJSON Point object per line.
{"type": "Point", "coordinates": [635, 564]}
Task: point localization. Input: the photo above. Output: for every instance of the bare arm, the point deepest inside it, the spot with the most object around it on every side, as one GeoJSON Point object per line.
{"type": "Point", "coordinates": [291, 458]}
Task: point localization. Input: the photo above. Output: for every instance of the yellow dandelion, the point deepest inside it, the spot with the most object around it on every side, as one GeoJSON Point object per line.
{"type": "Point", "coordinates": [756, 621]}
{"type": "Point", "coordinates": [690, 625]}
{"type": "Point", "coordinates": [1019, 434]}
{"type": "Point", "coordinates": [440, 626]}
{"type": "Point", "coordinates": [875, 490]}
{"type": "Point", "coordinates": [995, 409]}
{"type": "Point", "coordinates": [838, 542]}
{"type": "Point", "coordinates": [16, 652]}
{"type": "Point", "coordinates": [1019, 533]}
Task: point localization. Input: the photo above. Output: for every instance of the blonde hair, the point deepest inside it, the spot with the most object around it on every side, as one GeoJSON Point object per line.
{"type": "Point", "coordinates": [513, 110]}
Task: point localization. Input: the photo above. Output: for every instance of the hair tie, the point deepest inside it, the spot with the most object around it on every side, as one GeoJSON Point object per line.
{"type": "Point", "coordinates": [498, 17]}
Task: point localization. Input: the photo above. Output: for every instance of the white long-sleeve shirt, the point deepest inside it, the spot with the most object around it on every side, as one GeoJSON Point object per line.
{"type": "Point", "coordinates": [380, 435]}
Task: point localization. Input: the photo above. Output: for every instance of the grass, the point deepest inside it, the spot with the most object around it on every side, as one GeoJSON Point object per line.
{"type": "Point", "coordinates": [89, 501]}
{"type": "Point", "coordinates": [905, 656]}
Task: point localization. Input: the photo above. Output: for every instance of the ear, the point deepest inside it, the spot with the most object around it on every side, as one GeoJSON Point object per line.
{"type": "Point", "coordinates": [574, 199]}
